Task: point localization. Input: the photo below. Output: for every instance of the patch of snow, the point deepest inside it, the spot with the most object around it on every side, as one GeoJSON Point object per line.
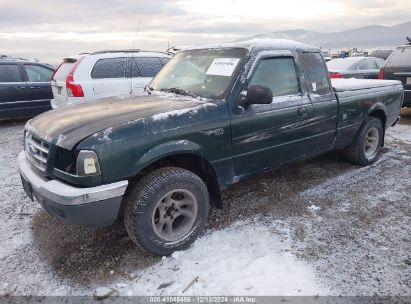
{"type": "Point", "coordinates": [286, 98]}
{"type": "Point", "coordinates": [400, 132]}
{"type": "Point", "coordinates": [32, 130]}
{"type": "Point", "coordinates": [60, 139]}
{"type": "Point", "coordinates": [246, 258]}
{"type": "Point", "coordinates": [174, 96]}
{"type": "Point", "coordinates": [352, 84]}
{"type": "Point", "coordinates": [106, 134]}
{"type": "Point", "coordinates": [192, 110]}
{"type": "Point", "coordinates": [270, 42]}
{"type": "Point", "coordinates": [314, 208]}
{"type": "Point", "coordinates": [103, 292]}
{"type": "Point", "coordinates": [121, 285]}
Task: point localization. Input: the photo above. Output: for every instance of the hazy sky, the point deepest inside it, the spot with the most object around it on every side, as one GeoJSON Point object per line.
{"type": "Point", "coordinates": [53, 29]}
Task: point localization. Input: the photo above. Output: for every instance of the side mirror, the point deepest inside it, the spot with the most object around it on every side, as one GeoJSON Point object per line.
{"type": "Point", "coordinates": [257, 94]}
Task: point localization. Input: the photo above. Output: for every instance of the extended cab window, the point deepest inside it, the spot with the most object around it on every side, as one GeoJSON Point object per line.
{"type": "Point", "coordinates": [10, 73]}
{"type": "Point", "coordinates": [109, 68]}
{"type": "Point", "coordinates": [316, 73]}
{"type": "Point", "coordinates": [37, 73]}
{"type": "Point", "coordinates": [278, 74]}
{"type": "Point", "coordinates": [145, 66]}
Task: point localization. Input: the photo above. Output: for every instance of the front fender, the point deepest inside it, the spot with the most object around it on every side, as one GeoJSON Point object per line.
{"type": "Point", "coordinates": [166, 149]}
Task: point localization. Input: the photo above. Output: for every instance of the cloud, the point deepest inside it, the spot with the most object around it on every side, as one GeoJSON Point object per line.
{"type": "Point", "coordinates": [53, 29]}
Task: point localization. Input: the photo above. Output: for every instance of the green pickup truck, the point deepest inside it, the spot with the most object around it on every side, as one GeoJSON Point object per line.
{"type": "Point", "coordinates": [213, 116]}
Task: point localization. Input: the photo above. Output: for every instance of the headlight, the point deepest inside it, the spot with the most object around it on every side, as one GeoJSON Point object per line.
{"type": "Point", "coordinates": [87, 163]}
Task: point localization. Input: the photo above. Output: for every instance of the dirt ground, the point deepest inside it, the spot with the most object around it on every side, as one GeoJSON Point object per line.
{"type": "Point", "coordinates": [360, 242]}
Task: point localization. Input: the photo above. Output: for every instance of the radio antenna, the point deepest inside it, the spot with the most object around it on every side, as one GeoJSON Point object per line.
{"type": "Point", "coordinates": [132, 55]}
{"type": "Point", "coordinates": [137, 30]}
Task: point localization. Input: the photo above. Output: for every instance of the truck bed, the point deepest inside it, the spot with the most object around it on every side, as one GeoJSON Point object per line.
{"type": "Point", "coordinates": [352, 84]}
{"type": "Point", "coordinates": [357, 98]}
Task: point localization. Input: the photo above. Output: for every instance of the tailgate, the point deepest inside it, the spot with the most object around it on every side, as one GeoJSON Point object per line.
{"type": "Point", "coordinates": [58, 81]}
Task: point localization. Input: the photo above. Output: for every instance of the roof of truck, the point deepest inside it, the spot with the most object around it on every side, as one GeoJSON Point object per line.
{"type": "Point", "coordinates": [259, 42]}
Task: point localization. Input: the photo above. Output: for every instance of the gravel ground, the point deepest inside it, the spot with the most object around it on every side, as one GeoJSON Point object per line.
{"type": "Point", "coordinates": [352, 224]}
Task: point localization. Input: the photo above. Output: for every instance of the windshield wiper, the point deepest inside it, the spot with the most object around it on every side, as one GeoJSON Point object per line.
{"type": "Point", "coordinates": [179, 92]}
{"type": "Point", "coordinates": [148, 89]}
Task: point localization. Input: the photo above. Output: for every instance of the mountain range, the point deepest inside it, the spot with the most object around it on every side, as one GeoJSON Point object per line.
{"type": "Point", "coordinates": [364, 37]}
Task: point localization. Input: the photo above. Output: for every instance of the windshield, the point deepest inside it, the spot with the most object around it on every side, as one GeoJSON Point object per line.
{"type": "Point", "coordinates": [206, 73]}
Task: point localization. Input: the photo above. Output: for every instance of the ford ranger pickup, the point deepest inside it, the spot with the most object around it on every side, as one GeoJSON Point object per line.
{"type": "Point", "coordinates": [214, 115]}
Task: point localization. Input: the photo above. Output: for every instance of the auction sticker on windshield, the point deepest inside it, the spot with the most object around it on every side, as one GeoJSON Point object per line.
{"type": "Point", "coordinates": [222, 66]}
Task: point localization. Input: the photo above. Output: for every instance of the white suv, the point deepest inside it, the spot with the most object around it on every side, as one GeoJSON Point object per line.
{"type": "Point", "coordinates": [87, 77]}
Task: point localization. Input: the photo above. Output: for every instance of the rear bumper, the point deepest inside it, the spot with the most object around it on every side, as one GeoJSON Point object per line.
{"type": "Point", "coordinates": [92, 207]}
{"type": "Point", "coordinates": [66, 101]}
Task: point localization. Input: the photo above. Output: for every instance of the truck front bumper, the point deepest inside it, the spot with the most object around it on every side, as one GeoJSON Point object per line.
{"type": "Point", "coordinates": [92, 207]}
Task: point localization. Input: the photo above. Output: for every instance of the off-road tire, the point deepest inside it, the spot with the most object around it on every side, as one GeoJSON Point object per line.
{"type": "Point", "coordinates": [142, 201]}
{"type": "Point", "coordinates": [356, 151]}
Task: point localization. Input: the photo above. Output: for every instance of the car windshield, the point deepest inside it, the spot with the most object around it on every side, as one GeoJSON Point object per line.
{"type": "Point", "coordinates": [206, 73]}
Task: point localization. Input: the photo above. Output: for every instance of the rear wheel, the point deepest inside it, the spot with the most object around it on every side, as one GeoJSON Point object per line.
{"type": "Point", "coordinates": [367, 143]}
{"type": "Point", "coordinates": [166, 210]}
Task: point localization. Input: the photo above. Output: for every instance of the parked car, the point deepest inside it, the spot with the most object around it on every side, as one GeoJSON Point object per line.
{"type": "Point", "coordinates": [381, 53]}
{"type": "Point", "coordinates": [88, 77]}
{"type": "Point", "coordinates": [25, 88]}
{"type": "Point", "coordinates": [398, 67]}
{"type": "Point", "coordinates": [355, 67]}
{"type": "Point", "coordinates": [212, 116]}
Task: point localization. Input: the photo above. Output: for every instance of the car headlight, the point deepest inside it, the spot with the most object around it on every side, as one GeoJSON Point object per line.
{"type": "Point", "coordinates": [87, 163]}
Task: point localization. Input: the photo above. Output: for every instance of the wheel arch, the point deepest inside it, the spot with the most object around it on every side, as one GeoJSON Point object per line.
{"type": "Point", "coordinates": [379, 113]}
{"type": "Point", "coordinates": [185, 155]}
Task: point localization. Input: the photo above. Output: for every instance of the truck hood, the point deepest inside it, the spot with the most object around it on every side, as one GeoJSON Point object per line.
{"type": "Point", "coordinates": [65, 127]}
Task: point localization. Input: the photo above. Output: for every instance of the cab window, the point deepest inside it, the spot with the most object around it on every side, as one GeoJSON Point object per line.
{"type": "Point", "coordinates": [316, 74]}
{"type": "Point", "coordinates": [278, 74]}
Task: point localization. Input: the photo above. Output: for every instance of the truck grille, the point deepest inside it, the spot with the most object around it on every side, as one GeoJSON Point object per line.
{"type": "Point", "coordinates": [37, 151]}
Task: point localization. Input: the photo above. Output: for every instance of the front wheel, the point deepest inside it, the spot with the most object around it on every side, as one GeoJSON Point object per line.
{"type": "Point", "coordinates": [367, 143]}
{"type": "Point", "coordinates": [166, 210]}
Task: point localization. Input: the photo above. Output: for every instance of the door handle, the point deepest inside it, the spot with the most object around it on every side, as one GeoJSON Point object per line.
{"type": "Point", "coordinates": [20, 87]}
{"type": "Point", "coordinates": [302, 111]}
{"type": "Point", "coordinates": [34, 88]}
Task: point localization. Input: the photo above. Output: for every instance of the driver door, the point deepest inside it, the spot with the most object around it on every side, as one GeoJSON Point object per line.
{"type": "Point", "coordinates": [268, 135]}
